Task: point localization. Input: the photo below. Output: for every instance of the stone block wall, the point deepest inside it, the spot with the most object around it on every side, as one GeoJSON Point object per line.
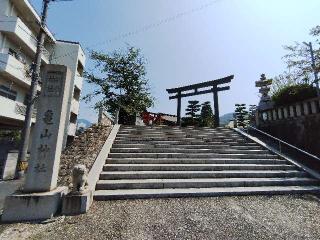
{"type": "Point", "coordinates": [83, 150]}
{"type": "Point", "coordinates": [297, 124]}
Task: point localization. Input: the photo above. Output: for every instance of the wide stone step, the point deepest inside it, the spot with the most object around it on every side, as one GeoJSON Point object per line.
{"type": "Point", "coordinates": [173, 138]}
{"type": "Point", "coordinates": [190, 155]}
{"type": "Point", "coordinates": [202, 192]}
{"type": "Point", "coordinates": [184, 142]}
{"type": "Point", "coordinates": [163, 128]}
{"type": "Point", "coordinates": [201, 174]}
{"type": "Point", "coordinates": [195, 167]}
{"type": "Point", "coordinates": [201, 183]}
{"type": "Point", "coordinates": [183, 150]}
{"type": "Point", "coordinates": [205, 146]}
{"type": "Point", "coordinates": [175, 134]}
{"type": "Point", "coordinates": [192, 161]}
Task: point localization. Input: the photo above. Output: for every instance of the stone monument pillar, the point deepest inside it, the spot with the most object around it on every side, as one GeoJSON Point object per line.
{"type": "Point", "coordinates": [264, 85]}
{"type": "Point", "coordinates": [265, 100]}
{"type": "Point", "coordinates": [41, 198]}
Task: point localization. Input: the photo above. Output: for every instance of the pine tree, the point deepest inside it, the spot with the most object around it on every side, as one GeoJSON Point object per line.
{"type": "Point", "coordinates": [193, 108]}
{"type": "Point", "coordinates": [206, 115]}
{"type": "Point", "coordinates": [192, 113]}
{"type": "Point", "coordinates": [252, 113]}
{"type": "Point", "coordinates": [241, 115]}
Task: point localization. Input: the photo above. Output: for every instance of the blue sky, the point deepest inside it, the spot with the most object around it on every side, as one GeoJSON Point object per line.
{"type": "Point", "coordinates": [201, 40]}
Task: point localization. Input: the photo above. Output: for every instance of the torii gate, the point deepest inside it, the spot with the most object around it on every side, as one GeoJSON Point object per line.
{"type": "Point", "coordinates": [182, 92]}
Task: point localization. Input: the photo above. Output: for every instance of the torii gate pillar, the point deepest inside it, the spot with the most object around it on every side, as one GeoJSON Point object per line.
{"type": "Point", "coordinates": [216, 108]}
{"type": "Point", "coordinates": [195, 88]}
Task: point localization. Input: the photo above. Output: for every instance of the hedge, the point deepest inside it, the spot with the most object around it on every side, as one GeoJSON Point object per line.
{"type": "Point", "coordinates": [293, 93]}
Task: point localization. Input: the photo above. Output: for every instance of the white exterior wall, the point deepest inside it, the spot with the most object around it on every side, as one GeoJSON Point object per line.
{"type": "Point", "coordinates": [19, 34]}
{"type": "Point", "coordinates": [70, 54]}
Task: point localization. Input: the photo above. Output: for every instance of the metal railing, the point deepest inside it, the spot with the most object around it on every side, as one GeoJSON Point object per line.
{"type": "Point", "coordinates": [285, 149]}
{"type": "Point", "coordinates": [279, 142]}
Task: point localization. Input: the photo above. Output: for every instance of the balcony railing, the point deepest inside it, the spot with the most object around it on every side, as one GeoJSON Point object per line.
{"type": "Point", "coordinates": [21, 110]}
{"type": "Point", "coordinates": [75, 106]}
{"type": "Point", "coordinates": [78, 81]}
{"type": "Point", "coordinates": [16, 26]}
{"type": "Point", "coordinates": [19, 56]}
{"type": "Point", "coordinates": [72, 129]}
{"type": "Point", "coordinates": [15, 67]}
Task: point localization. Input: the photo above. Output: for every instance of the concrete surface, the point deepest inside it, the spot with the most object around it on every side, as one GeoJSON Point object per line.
{"type": "Point", "coordinates": [7, 188]}
{"type": "Point", "coordinates": [32, 206]}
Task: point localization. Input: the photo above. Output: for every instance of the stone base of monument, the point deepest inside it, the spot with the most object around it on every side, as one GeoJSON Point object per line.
{"type": "Point", "coordinates": [77, 203]}
{"type": "Point", "coordinates": [33, 206]}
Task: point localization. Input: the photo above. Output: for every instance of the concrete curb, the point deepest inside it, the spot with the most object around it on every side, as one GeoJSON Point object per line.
{"type": "Point", "coordinates": [263, 144]}
{"type": "Point", "coordinates": [97, 167]}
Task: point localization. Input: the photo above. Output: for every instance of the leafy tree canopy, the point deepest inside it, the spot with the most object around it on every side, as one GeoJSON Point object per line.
{"type": "Point", "coordinates": [299, 64]}
{"type": "Point", "coordinates": [120, 80]}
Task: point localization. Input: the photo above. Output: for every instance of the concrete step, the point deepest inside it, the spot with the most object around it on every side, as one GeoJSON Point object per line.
{"type": "Point", "coordinates": [193, 161]}
{"type": "Point", "coordinates": [176, 133]}
{"type": "Point", "coordinates": [173, 127]}
{"type": "Point", "coordinates": [202, 192]}
{"type": "Point", "coordinates": [183, 150]}
{"type": "Point", "coordinates": [195, 167]}
{"type": "Point", "coordinates": [202, 183]}
{"type": "Point", "coordinates": [191, 155]}
{"type": "Point", "coordinates": [160, 161]}
{"type": "Point", "coordinates": [201, 174]}
{"type": "Point", "coordinates": [175, 137]}
{"type": "Point", "coordinates": [206, 146]}
{"type": "Point", "coordinates": [183, 142]}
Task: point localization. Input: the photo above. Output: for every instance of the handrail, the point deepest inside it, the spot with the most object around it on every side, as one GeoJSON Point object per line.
{"type": "Point", "coordinates": [288, 144]}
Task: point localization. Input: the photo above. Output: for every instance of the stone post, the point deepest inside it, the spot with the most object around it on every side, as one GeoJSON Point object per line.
{"type": "Point", "coordinates": [41, 198]}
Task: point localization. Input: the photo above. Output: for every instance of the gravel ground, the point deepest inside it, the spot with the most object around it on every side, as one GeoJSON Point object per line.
{"type": "Point", "coordinates": [254, 217]}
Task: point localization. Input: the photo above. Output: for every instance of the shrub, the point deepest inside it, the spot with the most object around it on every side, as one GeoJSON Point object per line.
{"type": "Point", "coordinates": [293, 93]}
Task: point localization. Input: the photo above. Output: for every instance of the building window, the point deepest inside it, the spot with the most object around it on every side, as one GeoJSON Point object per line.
{"type": "Point", "coordinates": [76, 93]}
{"type": "Point", "coordinates": [73, 118]}
{"type": "Point", "coordinates": [8, 93]}
{"type": "Point", "coordinates": [17, 55]}
{"type": "Point", "coordinates": [80, 69]}
{"type": "Point", "coordinates": [12, 52]}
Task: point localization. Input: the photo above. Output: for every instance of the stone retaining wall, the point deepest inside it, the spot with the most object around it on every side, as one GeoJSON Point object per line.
{"type": "Point", "coordinates": [83, 150]}
{"type": "Point", "coordinates": [297, 124]}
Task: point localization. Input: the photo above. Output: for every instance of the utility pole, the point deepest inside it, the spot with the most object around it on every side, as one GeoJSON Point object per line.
{"type": "Point", "coordinates": [33, 88]}
{"type": "Point", "coordinates": [315, 72]}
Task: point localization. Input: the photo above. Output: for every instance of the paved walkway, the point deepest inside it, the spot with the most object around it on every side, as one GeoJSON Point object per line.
{"type": "Point", "coordinates": [255, 217]}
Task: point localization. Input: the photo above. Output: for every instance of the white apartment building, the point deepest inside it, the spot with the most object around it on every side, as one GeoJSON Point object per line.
{"type": "Point", "coordinates": [19, 25]}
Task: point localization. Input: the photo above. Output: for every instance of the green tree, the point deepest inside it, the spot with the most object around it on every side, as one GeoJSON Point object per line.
{"type": "Point", "coordinates": [193, 108]}
{"type": "Point", "coordinates": [120, 78]}
{"type": "Point", "coordinates": [241, 115]}
{"type": "Point", "coordinates": [299, 64]}
{"type": "Point", "coordinates": [206, 115]}
{"type": "Point", "coordinates": [192, 116]}
{"type": "Point", "coordinates": [252, 113]}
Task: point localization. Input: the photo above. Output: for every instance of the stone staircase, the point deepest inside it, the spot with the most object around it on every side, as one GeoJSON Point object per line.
{"type": "Point", "coordinates": [151, 162]}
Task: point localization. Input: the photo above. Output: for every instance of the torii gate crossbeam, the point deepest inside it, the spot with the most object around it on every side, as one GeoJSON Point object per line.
{"type": "Point", "coordinates": [184, 91]}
